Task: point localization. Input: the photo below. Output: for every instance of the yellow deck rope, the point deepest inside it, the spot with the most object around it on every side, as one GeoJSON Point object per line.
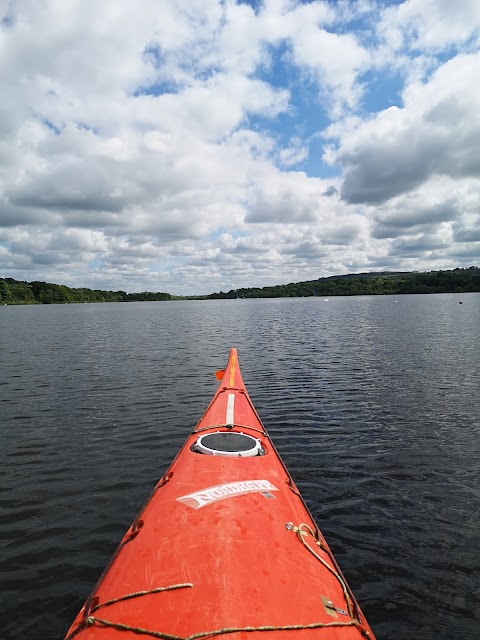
{"type": "Point", "coordinates": [302, 531]}
{"type": "Point", "coordinates": [91, 620]}
{"type": "Point", "coordinates": [137, 594]}
{"type": "Point", "coordinates": [305, 528]}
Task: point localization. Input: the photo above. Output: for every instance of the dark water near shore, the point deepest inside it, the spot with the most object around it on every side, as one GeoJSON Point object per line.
{"type": "Point", "coordinates": [373, 403]}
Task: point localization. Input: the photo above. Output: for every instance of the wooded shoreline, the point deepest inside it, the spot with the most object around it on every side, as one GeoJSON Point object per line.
{"type": "Point", "coordinates": [388, 283]}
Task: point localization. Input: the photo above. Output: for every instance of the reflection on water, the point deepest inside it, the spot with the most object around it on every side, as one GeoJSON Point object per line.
{"type": "Point", "coordinates": [372, 402]}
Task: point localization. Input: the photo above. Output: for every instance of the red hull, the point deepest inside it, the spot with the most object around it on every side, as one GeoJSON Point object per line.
{"type": "Point", "coordinates": [230, 536]}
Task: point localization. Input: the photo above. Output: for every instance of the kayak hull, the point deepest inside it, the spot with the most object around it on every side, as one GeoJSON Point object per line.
{"type": "Point", "coordinates": [224, 546]}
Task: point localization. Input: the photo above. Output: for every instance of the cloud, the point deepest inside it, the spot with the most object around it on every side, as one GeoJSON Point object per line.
{"type": "Point", "coordinates": [192, 145]}
{"type": "Point", "coordinates": [432, 25]}
{"type": "Point", "coordinates": [413, 213]}
{"type": "Point", "coordinates": [422, 244]}
{"type": "Point", "coordinates": [436, 132]}
{"type": "Point", "coordinates": [468, 234]}
{"type": "Point", "coordinates": [335, 61]}
{"type": "Point", "coordinates": [293, 154]}
{"type": "Point", "coordinates": [288, 198]}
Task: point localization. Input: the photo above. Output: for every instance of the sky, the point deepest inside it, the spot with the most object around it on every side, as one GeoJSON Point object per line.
{"type": "Point", "coordinates": [194, 146]}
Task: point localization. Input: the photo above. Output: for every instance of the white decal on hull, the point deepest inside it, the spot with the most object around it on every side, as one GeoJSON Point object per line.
{"type": "Point", "coordinates": [230, 407]}
{"type": "Point", "coordinates": [222, 491]}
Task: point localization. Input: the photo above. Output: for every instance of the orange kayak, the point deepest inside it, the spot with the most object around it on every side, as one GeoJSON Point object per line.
{"type": "Point", "coordinates": [225, 546]}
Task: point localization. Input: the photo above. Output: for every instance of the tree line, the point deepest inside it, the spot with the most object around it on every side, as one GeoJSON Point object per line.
{"type": "Point", "coordinates": [454, 281]}
{"type": "Point", "coordinates": [19, 292]}
{"type": "Point", "coordinates": [394, 283]}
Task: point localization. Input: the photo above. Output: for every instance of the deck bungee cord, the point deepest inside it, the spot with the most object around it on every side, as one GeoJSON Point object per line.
{"type": "Point", "coordinates": [302, 532]}
{"type": "Point", "coordinates": [221, 632]}
{"type": "Point", "coordinates": [230, 426]}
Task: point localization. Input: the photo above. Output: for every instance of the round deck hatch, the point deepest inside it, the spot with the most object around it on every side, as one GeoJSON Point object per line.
{"type": "Point", "coordinates": [224, 443]}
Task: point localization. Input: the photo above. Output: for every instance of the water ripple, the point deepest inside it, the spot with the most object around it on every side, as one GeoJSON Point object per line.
{"type": "Point", "coordinates": [373, 405]}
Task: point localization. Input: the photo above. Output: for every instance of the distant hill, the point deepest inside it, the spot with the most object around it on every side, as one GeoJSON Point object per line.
{"type": "Point", "coordinates": [358, 284]}
{"type": "Point", "coordinates": [353, 284]}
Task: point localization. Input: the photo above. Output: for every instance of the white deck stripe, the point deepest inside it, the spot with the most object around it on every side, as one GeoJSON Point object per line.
{"type": "Point", "coordinates": [230, 405]}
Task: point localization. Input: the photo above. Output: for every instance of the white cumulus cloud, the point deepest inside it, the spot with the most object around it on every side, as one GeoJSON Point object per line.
{"type": "Point", "coordinates": [193, 145]}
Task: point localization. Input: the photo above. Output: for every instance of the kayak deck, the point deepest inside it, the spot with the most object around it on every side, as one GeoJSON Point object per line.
{"type": "Point", "coordinates": [224, 546]}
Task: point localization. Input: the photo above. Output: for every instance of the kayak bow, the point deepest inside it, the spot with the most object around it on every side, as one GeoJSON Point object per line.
{"type": "Point", "coordinates": [224, 546]}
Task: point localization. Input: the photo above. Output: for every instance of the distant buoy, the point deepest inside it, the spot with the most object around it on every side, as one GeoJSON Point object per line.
{"type": "Point", "coordinates": [460, 302]}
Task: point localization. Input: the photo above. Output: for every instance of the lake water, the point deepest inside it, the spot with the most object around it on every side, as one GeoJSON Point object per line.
{"type": "Point", "coordinates": [373, 403]}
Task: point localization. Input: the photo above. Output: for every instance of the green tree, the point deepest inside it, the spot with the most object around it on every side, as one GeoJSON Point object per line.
{"type": "Point", "coordinates": [4, 292]}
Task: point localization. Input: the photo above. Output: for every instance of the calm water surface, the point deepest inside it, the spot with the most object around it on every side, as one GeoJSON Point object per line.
{"type": "Point", "coordinates": [373, 403]}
